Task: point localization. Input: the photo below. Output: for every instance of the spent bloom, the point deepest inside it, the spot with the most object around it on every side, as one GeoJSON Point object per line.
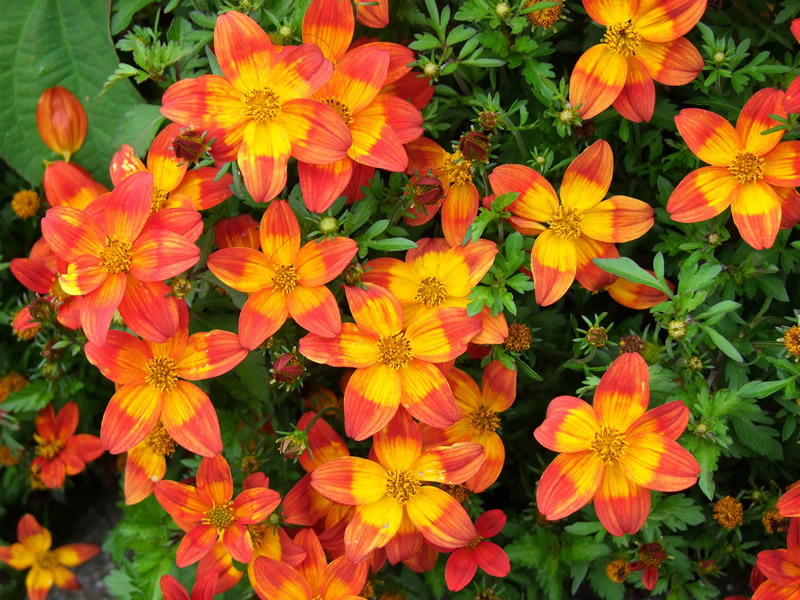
{"type": "Point", "coordinates": [614, 452]}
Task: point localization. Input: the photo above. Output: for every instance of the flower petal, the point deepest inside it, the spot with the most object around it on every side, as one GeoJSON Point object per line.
{"type": "Point", "coordinates": [243, 50]}
{"type": "Point", "coordinates": [537, 200]}
{"type": "Point", "coordinates": [323, 184]}
{"type": "Point", "coordinates": [610, 12]}
{"type": "Point", "coordinates": [143, 468]}
{"type": "Point", "coordinates": [121, 359]}
{"type": "Point", "coordinates": [32, 535]}
{"type": "Point", "coordinates": [588, 177]}
{"type": "Point", "coordinates": [597, 79]}
{"type": "Point", "coordinates": [214, 479]}
{"type": "Point", "coordinates": [492, 559]}
{"type": "Point", "coordinates": [203, 188]}
{"type": "Point", "coordinates": [755, 118]}
{"type": "Point", "coordinates": [160, 254]}
{"type": "Point", "coordinates": [205, 102]}
{"type": "Point", "coordinates": [262, 157]}
{"type": "Point", "coordinates": [317, 132]}
{"type": "Point", "coordinates": [208, 355]}
{"type": "Point", "coordinates": [622, 506]}
{"type": "Point", "coordinates": [554, 261]}
{"type": "Point", "coordinates": [196, 544]}
{"type": "Point", "coordinates": [375, 309]}
{"type": "Point", "coordinates": [588, 274]}
{"type": "Point", "coordinates": [665, 20]}
{"type": "Point", "coordinates": [73, 555]}
{"type": "Point", "coordinates": [440, 518]}
{"type": "Point", "coordinates": [570, 425]}
{"type": "Point", "coordinates": [329, 24]}
{"type": "Point", "coordinates": [148, 310]}
{"type": "Point", "coordinates": [618, 219]}
{"type": "Point", "coordinates": [459, 210]}
{"type": "Point", "coordinates": [427, 395]}
{"type": "Point", "coordinates": [623, 393]}
{"type": "Point", "coordinates": [351, 348]}
{"type": "Point", "coordinates": [319, 262]}
{"type": "Point", "coordinates": [71, 233]}
{"type": "Point", "coordinates": [274, 579]}
{"type": "Point", "coordinates": [460, 569]}
{"type": "Point", "coordinates": [343, 579]}
{"type": "Point", "coordinates": [371, 400]}
{"type": "Point", "coordinates": [262, 315]}
{"type": "Point", "coordinates": [130, 415]}
{"type": "Point", "coordinates": [779, 568]}
{"type": "Point", "coordinates": [372, 527]}
{"type": "Point", "coordinates": [782, 165]}
{"type": "Point", "coordinates": [672, 63]}
{"type": "Point", "coordinates": [190, 418]}
{"type": "Point", "coordinates": [244, 269]}
{"type": "Point", "coordinates": [637, 99]}
{"type": "Point", "coordinates": [449, 464]}
{"type": "Point", "coordinates": [399, 443]}
{"type": "Point", "coordinates": [702, 194]}
{"type": "Point", "coordinates": [712, 139]}
{"type": "Point", "coordinates": [756, 212]}
{"type": "Point", "coordinates": [568, 484]}
{"type": "Point", "coordinates": [658, 463]}
{"type": "Point", "coordinates": [350, 480]}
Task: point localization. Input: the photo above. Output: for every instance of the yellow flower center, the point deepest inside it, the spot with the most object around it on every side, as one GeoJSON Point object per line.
{"type": "Point", "coordinates": [475, 541]}
{"type": "Point", "coordinates": [401, 485]}
{"type": "Point", "coordinates": [256, 535]}
{"type": "Point", "coordinates": [431, 292]}
{"type": "Point", "coordinates": [25, 203]}
{"type": "Point", "coordinates": [791, 339]}
{"type": "Point", "coordinates": [159, 199]}
{"type": "Point", "coordinates": [456, 169]}
{"type": "Point", "coordinates": [608, 444]}
{"type": "Point", "coordinates": [341, 108]}
{"type": "Point", "coordinates": [220, 516]}
{"type": "Point", "coordinates": [161, 373]}
{"type": "Point", "coordinates": [116, 258]}
{"type": "Point", "coordinates": [262, 104]}
{"type": "Point", "coordinates": [484, 420]}
{"type": "Point", "coordinates": [519, 338]}
{"type": "Point", "coordinates": [459, 491]}
{"type": "Point", "coordinates": [566, 223]}
{"type": "Point", "coordinates": [45, 560]}
{"type": "Point", "coordinates": [395, 350]}
{"type": "Point", "coordinates": [747, 167]}
{"type": "Point", "coordinates": [728, 512]}
{"type": "Point", "coordinates": [159, 441]}
{"type": "Point", "coordinates": [285, 278]}
{"type": "Point", "coordinates": [48, 449]}
{"type": "Point", "coordinates": [623, 38]}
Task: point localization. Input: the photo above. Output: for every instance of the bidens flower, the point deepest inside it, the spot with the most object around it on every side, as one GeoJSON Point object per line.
{"type": "Point", "coordinates": [614, 453]}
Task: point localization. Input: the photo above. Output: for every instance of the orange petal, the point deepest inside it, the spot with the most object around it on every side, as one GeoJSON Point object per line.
{"type": "Point", "coordinates": [790, 208]}
{"type": "Point", "coordinates": [618, 219]}
{"type": "Point", "coordinates": [167, 169]}
{"type": "Point", "coordinates": [240, 231]}
{"type": "Point", "coordinates": [537, 200]}
{"type": "Point", "coordinates": [665, 20]}
{"type": "Point", "coordinates": [122, 359]}
{"type": "Point", "coordinates": [588, 274]}
{"type": "Point", "coordinates": [99, 306]}
{"type": "Point", "coordinates": [499, 386]}
{"type": "Point", "coordinates": [190, 419]}
{"type": "Point", "coordinates": [325, 444]}
{"type": "Point", "coordinates": [315, 310]}
{"type": "Point", "coordinates": [161, 254]}
{"type": "Point", "coordinates": [622, 506]}
{"type": "Point", "coordinates": [243, 50]}
{"type": "Point", "coordinates": [375, 309]}
{"type": "Point", "coordinates": [214, 479]}
{"type": "Point", "coordinates": [130, 415]}
{"type": "Point", "coordinates": [320, 261]}
{"type": "Point", "coordinates": [351, 348]}
{"type": "Point", "coordinates": [124, 163]}
{"type": "Point", "coordinates": [570, 425]}
{"type": "Point", "coordinates": [373, 14]}
{"type": "Point", "coordinates": [597, 79]}
{"type": "Point", "coordinates": [491, 468]}
{"type": "Point", "coordinates": [636, 295]}
{"type": "Point", "coordinates": [782, 165]}
{"type": "Point", "coordinates": [244, 269]}
{"type": "Point", "coordinates": [623, 393]}
{"type": "Point", "coordinates": [789, 504]}
{"type": "Point", "coordinates": [300, 71]}
{"type": "Point", "coordinates": [403, 117]}
{"type": "Point", "coordinates": [203, 188]}
{"type": "Point", "coordinates": [427, 395]}
{"type": "Point", "coordinates": [262, 315]}
{"type": "Point", "coordinates": [441, 334]}
{"type": "Point", "coordinates": [405, 543]}
{"type": "Point", "coordinates": [343, 579]}
{"type": "Point", "coordinates": [371, 400]}
{"type": "Point", "coordinates": [372, 527]}
{"type": "Point", "coordinates": [440, 518]}
{"type": "Point", "coordinates": [755, 118]}
{"type": "Point", "coordinates": [588, 177]}
{"type": "Point", "coordinates": [702, 194]}
{"type": "Point", "coordinates": [399, 443]}
{"type": "Point", "coordinates": [274, 579]}
{"type": "Point", "coordinates": [329, 24]}
{"type": "Point", "coordinates": [450, 464]}
{"type": "Point", "coordinates": [350, 480]}
{"type": "Point", "coordinates": [363, 69]}
{"type": "Point", "coordinates": [72, 234]}
{"type": "Point", "coordinates": [262, 158]}
{"type": "Point", "coordinates": [17, 556]}
{"type": "Point", "coordinates": [254, 505]}
{"type": "Point", "coordinates": [658, 463]}
{"type": "Point", "coordinates": [610, 12]}
{"type": "Point", "coordinates": [148, 310]}
{"type": "Point", "coordinates": [208, 355]}
{"type": "Point", "coordinates": [756, 211]}
{"type": "Point", "coordinates": [205, 102]}
{"type": "Point", "coordinates": [459, 211]}
{"type": "Point", "coordinates": [781, 570]}
{"type": "Point", "coordinates": [375, 143]}
{"type": "Point", "coordinates": [672, 63]}
{"type": "Point", "coordinates": [32, 535]}
{"type": "Point", "coordinates": [637, 99]}
{"type": "Point", "coordinates": [67, 184]}
{"type": "Point", "coordinates": [317, 132]}
{"type": "Point", "coordinates": [73, 555]}
{"type": "Point", "coordinates": [568, 484]}
{"type": "Point", "coordinates": [143, 468]}
{"type": "Point", "coordinates": [669, 419]}
{"type": "Point", "coordinates": [554, 262]}
{"type": "Point", "coordinates": [709, 136]}
{"type": "Point", "coordinates": [323, 184]}
{"type": "Point", "coordinates": [195, 544]}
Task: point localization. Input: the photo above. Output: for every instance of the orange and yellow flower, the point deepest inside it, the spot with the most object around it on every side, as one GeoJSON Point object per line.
{"type": "Point", "coordinates": [312, 579]}
{"type": "Point", "coordinates": [394, 363]}
{"type": "Point", "coordinates": [67, 184]}
{"type": "Point", "coordinates": [209, 508]}
{"type": "Point", "coordinates": [479, 552]}
{"type": "Point", "coordinates": [393, 507]}
{"type": "Point", "coordinates": [61, 121]}
{"type": "Point", "coordinates": [146, 464]}
{"type": "Point", "coordinates": [752, 173]}
{"type": "Point", "coordinates": [781, 568]}
{"type": "Point", "coordinates": [480, 420]}
{"type": "Point", "coordinates": [152, 386]}
{"type": "Point", "coordinates": [203, 589]}
{"type": "Point", "coordinates": [47, 567]}
{"type": "Point", "coordinates": [117, 263]}
{"type": "Point", "coordinates": [60, 451]}
{"type": "Point", "coordinates": [284, 279]}
{"type": "Point", "coordinates": [260, 112]}
{"type": "Point", "coordinates": [579, 228]}
{"type": "Point", "coordinates": [614, 452]}
{"type": "Point", "coordinates": [435, 274]}
{"type": "Point", "coordinates": [174, 185]}
{"type": "Point", "coordinates": [643, 41]}
{"type": "Point", "coordinates": [354, 92]}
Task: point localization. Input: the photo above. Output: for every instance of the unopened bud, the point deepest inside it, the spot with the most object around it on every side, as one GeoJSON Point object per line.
{"type": "Point", "coordinates": [474, 145]}
{"type": "Point", "coordinates": [181, 287]}
{"type": "Point", "coordinates": [540, 160]}
{"type": "Point", "coordinates": [189, 146]}
{"type": "Point", "coordinates": [293, 444]}
{"type": "Point", "coordinates": [61, 121]}
{"type": "Point", "coordinates": [719, 57]}
{"type": "Point", "coordinates": [597, 337]}
{"type": "Point", "coordinates": [428, 191]}
{"type": "Point", "coordinates": [287, 369]}
{"type": "Point", "coordinates": [502, 10]}
{"type": "Point", "coordinates": [431, 70]}
{"type": "Point", "coordinates": [714, 239]}
{"type": "Point", "coordinates": [676, 329]}
{"type": "Point", "coordinates": [285, 32]}
{"type": "Point", "coordinates": [328, 225]}
{"type": "Point", "coordinates": [487, 119]}
{"type": "Point", "coordinates": [695, 363]}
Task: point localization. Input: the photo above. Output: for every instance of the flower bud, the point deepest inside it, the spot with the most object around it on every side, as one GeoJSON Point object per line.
{"type": "Point", "coordinates": [427, 191]}
{"type": "Point", "coordinates": [487, 119]}
{"type": "Point", "coordinates": [352, 273]}
{"type": "Point", "coordinates": [676, 329]}
{"type": "Point", "coordinates": [240, 231]}
{"type": "Point", "coordinates": [189, 146]}
{"type": "Point", "coordinates": [719, 57]}
{"type": "Point", "coordinates": [328, 225]}
{"type": "Point", "coordinates": [61, 121]}
{"type": "Point", "coordinates": [181, 287]}
{"type": "Point", "coordinates": [431, 70]}
{"type": "Point", "coordinates": [293, 444]}
{"type": "Point", "coordinates": [287, 369]}
{"type": "Point", "coordinates": [502, 10]}
{"type": "Point", "coordinates": [24, 325]}
{"type": "Point", "coordinates": [474, 145]}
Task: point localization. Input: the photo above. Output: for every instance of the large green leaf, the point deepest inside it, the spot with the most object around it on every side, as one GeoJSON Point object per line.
{"type": "Point", "coordinates": [50, 42]}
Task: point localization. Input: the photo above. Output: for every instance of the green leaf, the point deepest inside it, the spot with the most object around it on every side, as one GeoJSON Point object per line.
{"type": "Point", "coordinates": [33, 397]}
{"type": "Point", "coordinates": [707, 454]}
{"type": "Point", "coordinates": [392, 244]}
{"type": "Point", "coordinates": [124, 11]}
{"type": "Point", "coordinates": [44, 43]}
{"type": "Point", "coordinates": [625, 267]}
{"type": "Point", "coordinates": [138, 128]}
{"type": "Point", "coordinates": [722, 343]}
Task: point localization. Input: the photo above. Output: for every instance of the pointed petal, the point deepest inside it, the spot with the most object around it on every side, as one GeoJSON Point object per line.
{"type": "Point", "coordinates": [128, 207]}
{"type": "Point", "coordinates": [610, 12]}
{"type": "Point", "coordinates": [712, 139]}
{"type": "Point", "coordinates": [405, 543]}
{"type": "Point", "coordinates": [374, 15]}
{"type": "Point", "coordinates": [33, 275]}
{"type": "Point", "coordinates": [702, 194]}
{"type": "Point", "coordinates": [460, 569]}
{"type": "Point", "coordinates": [459, 211]}
{"type": "Point", "coordinates": [181, 501]}
{"type": "Point", "coordinates": [321, 261]}
{"type": "Point", "coordinates": [755, 118]}
{"type": "Point", "coordinates": [67, 184]}
{"type": "Point", "coordinates": [262, 158]}
{"type": "Point", "coordinates": [143, 468]}
{"type": "Point", "coordinates": [492, 559]}
{"type": "Point", "coordinates": [375, 309]}
{"type": "Point", "coordinates": [274, 579]}
{"type": "Point", "coordinates": [427, 395]}
{"type": "Point", "coordinates": [280, 234]}
{"type": "Point", "coordinates": [440, 518]}
{"type": "Point", "coordinates": [343, 579]}
{"type": "Point", "coordinates": [666, 20]}
{"type": "Point", "coordinates": [208, 355]}
{"type": "Point", "coordinates": [622, 506]}
{"type": "Point", "coordinates": [167, 169]}
{"type": "Point", "coordinates": [364, 70]}
{"type": "Point", "coordinates": [304, 505]}
{"type": "Point", "coordinates": [243, 50]}
{"type": "Point", "coordinates": [214, 479]}
{"type": "Point", "coordinates": [588, 274]}
{"type": "Point", "coordinates": [203, 188]}
{"type": "Point", "coordinates": [32, 535]}
{"type": "Point", "coordinates": [372, 527]}
{"type": "Point", "coordinates": [160, 254]}
{"type": "Point", "coordinates": [779, 568]}
{"type": "Point", "coordinates": [371, 400]}
{"type": "Point", "coordinates": [623, 393]}
{"type": "Point", "coordinates": [317, 132]}
{"type": "Point", "coordinates": [148, 310]}
{"type": "Point", "coordinates": [130, 415]}
{"type": "Point", "coordinates": [568, 484]}
{"type": "Point", "coordinates": [637, 99]}
{"type": "Point", "coordinates": [618, 219]}
{"type": "Point", "coordinates": [17, 556]}
{"type": "Point", "coordinates": [350, 480]}
{"type": "Point", "coordinates": [262, 315]}
{"type": "Point", "coordinates": [402, 116]}
{"type": "Point", "coordinates": [570, 426]}
{"type": "Point", "coordinates": [554, 262]}
{"type": "Point", "coordinates": [449, 464]}
{"type": "Point", "coordinates": [399, 444]}
{"type": "Point", "coordinates": [237, 542]}
{"type": "Point", "coordinates": [205, 102]}
{"type": "Point", "coordinates": [658, 463]}
{"type": "Point", "coordinates": [597, 79]}
{"type": "Point", "coordinates": [323, 184]}
{"type": "Point", "coordinates": [782, 165]}
{"type": "Point", "coordinates": [196, 544]}
{"type": "Point", "coordinates": [375, 143]}
{"type": "Point", "coordinates": [255, 505]}
{"type": "Point", "coordinates": [71, 233]}
{"type": "Point", "coordinates": [329, 24]}
{"type": "Point", "coordinates": [38, 582]}
{"type": "Point", "coordinates": [537, 200]}
{"type": "Point", "coordinates": [244, 269]}
{"type": "Point", "coordinates": [441, 334]}
{"type": "Point", "coordinates": [191, 420]}
{"type": "Point", "coordinates": [171, 589]}
{"type": "Point", "coordinates": [588, 177]}
{"type": "Point", "coordinates": [672, 63]}
{"type": "Point", "coordinates": [323, 441]}
{"type": "Point", "coordinates": [756, 211]}
{"type": "Point", "coordinates": [99, 306]}
{"type": "Point", "coordinates": [351, 348]}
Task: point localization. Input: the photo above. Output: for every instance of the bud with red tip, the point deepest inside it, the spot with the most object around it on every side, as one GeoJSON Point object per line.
{"type": "Point", "coordinates": [427, 191]}
{"type": "Point", "coordinates": [189, 146]}
{"type": "Point", "coordinates": [287, 369]}
{"type": "Point", "coordinates": [61, 121]}
{"type": "Point", "coordinates": [474, 145]}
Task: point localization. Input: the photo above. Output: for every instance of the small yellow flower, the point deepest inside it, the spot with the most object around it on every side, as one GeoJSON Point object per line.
{"type": "Point", "coordinates": [728, 512]}
{"type": "Point", "coordinates": [25, 203]}
{"type": "Point", "coordinates": [618, 570]}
